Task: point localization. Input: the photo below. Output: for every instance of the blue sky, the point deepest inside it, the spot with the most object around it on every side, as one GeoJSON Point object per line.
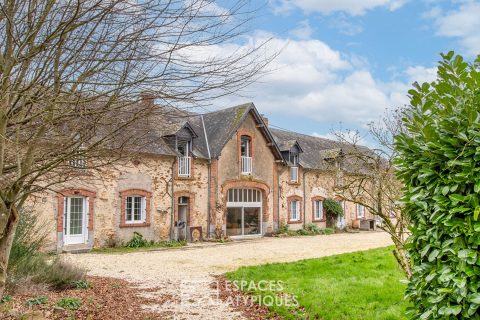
{"type": "Point", "coordinates": [343, 62]}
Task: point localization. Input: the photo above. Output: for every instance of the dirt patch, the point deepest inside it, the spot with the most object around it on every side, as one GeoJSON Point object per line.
{"type": "Point", "coordinates": [241, 301]}
{"type": "Point", "coordinates": [106, 298]}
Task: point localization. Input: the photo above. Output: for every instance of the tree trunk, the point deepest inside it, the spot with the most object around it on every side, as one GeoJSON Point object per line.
{"type": "Point", "coordinates": [6, 241]}
{"type": "Point", "coordinates": [331, 220]}
{"type": "Point", "coordinates": [401, 255]}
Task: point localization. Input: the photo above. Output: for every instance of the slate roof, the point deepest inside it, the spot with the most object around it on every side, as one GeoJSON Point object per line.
{"type": "Point", "coordinates": [318, 152]}
{"type": "Point", "coordinates": [221, 125]}
{"type": "Point", "coordinates": [313, 155]}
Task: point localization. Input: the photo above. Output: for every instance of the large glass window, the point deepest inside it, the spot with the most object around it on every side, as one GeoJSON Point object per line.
{"type": "Point", "coordinates": [244, 208]}
{"type": "Point", "coordinates": [234, 221]}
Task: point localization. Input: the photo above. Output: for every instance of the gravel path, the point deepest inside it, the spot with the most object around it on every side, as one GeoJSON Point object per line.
{"type": "Point", "coordinates": [185, 274]}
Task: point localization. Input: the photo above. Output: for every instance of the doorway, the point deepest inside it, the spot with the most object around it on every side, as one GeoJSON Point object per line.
{"type": "Point", "coordinates": [244, 213]}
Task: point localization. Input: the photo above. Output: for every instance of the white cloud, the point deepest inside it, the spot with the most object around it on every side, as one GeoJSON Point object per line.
{"type": "Point", "coordinates": [352, 7]}
{"type": "Point", "coordinates": [421, 74]}
{"type": "Point", "coordinates": [344, 25]}
{"type": "Point", "coordinates": [463, 23]}
{"type": "Point", "coordinates": [303, 31]}
{"type": "Point", "coordinates": [310, 79]}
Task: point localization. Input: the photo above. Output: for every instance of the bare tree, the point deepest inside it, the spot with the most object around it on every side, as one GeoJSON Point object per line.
{"type": "Point", "coordinates": [71, 72]}
{"type": "Point", "coordinates": [368, 178]}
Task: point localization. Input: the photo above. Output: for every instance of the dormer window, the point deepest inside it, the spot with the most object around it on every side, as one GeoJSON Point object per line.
{"type": "Point", "coordinates": [246, 154]}
{"type": "Point", "coordinates": [183, 148]}
{"type": "Point", "coordinates": [184, 158]}
{"type": "Point", "coordinates": [293, 167]}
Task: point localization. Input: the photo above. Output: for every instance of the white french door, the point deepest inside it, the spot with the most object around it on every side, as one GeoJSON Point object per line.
{"type": "Point", "coordinates": [75, 220]}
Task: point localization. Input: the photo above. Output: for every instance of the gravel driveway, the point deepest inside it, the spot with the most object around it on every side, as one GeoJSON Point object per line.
{"type": "Point", "coordinates": [184, 274]}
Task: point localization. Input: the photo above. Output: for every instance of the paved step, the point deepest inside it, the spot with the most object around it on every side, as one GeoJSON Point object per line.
{"type": "Point", "coordinates": [76, 248]}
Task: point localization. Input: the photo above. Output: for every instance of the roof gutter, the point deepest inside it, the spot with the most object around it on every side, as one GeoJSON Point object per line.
{"type": "Point", "coordinates": [209, 177]}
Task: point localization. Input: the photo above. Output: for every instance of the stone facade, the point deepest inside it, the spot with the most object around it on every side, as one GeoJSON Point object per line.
{"type": "Point", "coordinates": [153, 183]}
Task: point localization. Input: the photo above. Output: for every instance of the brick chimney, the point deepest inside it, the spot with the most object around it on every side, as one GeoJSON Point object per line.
{"type": "Point", "coordinates": [265, 119]}
{"type": "Point", "coordinates": [147, 99]}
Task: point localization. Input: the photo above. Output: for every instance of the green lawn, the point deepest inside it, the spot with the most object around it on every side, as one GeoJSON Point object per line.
{"type": "Point", "coordinates": [359, 285]}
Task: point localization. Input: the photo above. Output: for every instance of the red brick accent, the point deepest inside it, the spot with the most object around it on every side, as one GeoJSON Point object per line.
{"type": "Point", "coordinates": [243, 132]}
{"type": "Point", "coordinates": [135, 192]}
{"type": "Point", "coordinates": [313, 209]}
{"type": "Point", "coordinates": [300, 177]}
{"type": "Point", "coordinates": [242, 184]}
{"type": "Point", "coordinates": [70, 193]}
{"type": "Point", "coordinates": [213, 192]}
{"type": "Point", "coordinates": [290, 199]}
{"type": "Point", "coordinates": [190, 206]}
{"type": "Point", "coordinates": [275, 213]}
{"type": "Point", "coordinates": [192, 169]}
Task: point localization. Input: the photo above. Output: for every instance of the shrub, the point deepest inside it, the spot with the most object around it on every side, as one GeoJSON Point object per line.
{"type": "Point", "coordinates": [28, 264]}
{"type": "Point", "coordinates": [36, 301]}
{"type": "Point", "coordinates": [438, 165]}
{"type": "Point", "coordinates": [313, 228]}
{"type": "Point", "coordinates": [6, 299]}
{"type": "Point", "coordinates": [302, 232]}
{"type": "Point", "coordinates": [333, 207]}
{"type": "Point", "coordinates": [30, 237]}
{"type": "Point", "coordinates": [69, 303]}
{"type": "Point", "coordinates": [328, 231]}
{"type": "Point", "coordinates": [137, 241]}
{"type": "Point", "coordinates": [171, 243]}
{"type": "Point", "coordinates": [81, 284]}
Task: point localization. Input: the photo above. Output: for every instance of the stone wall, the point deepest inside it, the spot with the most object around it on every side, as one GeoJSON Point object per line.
{"type": "Point", "coordinates": [229, 173]}
{"type": "Point", "coordinates": [152, 174]}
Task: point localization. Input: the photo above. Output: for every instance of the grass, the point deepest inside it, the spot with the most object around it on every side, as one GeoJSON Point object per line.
{"type": "Point", "coordinates": [149, 247]}
{"type": "Point", "coordinates": [359, 285]}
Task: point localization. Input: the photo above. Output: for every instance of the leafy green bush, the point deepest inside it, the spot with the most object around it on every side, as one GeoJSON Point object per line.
{"type": "Point", "coordinates": [26, 262]}
{"type": "Point", "coordinates": [6, 298]}
{"type": "Point", "coordinates": [69, 303]}
{"type": "Point", "coordinates": [333, 207]}
{"type": "Point", "coordinates": [36, 301]}
{"type": "Point", "coordinates": [302, 232]}
{"type": "Point", "coordinates": [81, 284]}
{"type": "Point", "coordinates": [438, 164]}
{"type": "Point", "coordinates": [30, 236]}
{"type": "Point", "coordinates": [137, 241]}
{"type": "Point", "coordinates": [170, 243]}
{"type": "Point", "coordinates": [327, 231]}
{"type": "Point", "coordinates": [313, 228]}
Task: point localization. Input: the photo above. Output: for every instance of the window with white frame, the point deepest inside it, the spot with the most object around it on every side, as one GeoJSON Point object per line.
{"type": "Point", "coordinates": [318, 210]}
{"type": "Point", "coordinates": [294, 168]}
{"type": "Point", "coordinates": [135, 209]}
{"type": "Point", "coordinates": [360, 211]}
{"type": "Point", "coordinates": [294, 210]}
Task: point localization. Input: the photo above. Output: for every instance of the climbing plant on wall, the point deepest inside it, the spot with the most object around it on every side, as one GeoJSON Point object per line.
{"type": "Point", "coordinates": [439, 164]}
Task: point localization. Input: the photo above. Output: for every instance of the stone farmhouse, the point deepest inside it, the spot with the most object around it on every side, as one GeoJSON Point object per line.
{"type": "Point", "coordinates": [223, 173]}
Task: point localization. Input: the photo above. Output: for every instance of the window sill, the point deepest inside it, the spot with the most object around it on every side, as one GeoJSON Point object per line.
{"type": "Point", "coordinates": [184, 178]}
{"type": "Point", "coordinates": [293, 183]}
{"type": "Point", "coordinates": [319, 220]}
{"type": "Point", "coordinates": [294, 222]}
{"type": "Point", "coordinates": [135, 225]}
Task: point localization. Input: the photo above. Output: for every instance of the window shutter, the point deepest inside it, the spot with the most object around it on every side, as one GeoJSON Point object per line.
{"type": "Point", "coordinates": [144, 209]}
